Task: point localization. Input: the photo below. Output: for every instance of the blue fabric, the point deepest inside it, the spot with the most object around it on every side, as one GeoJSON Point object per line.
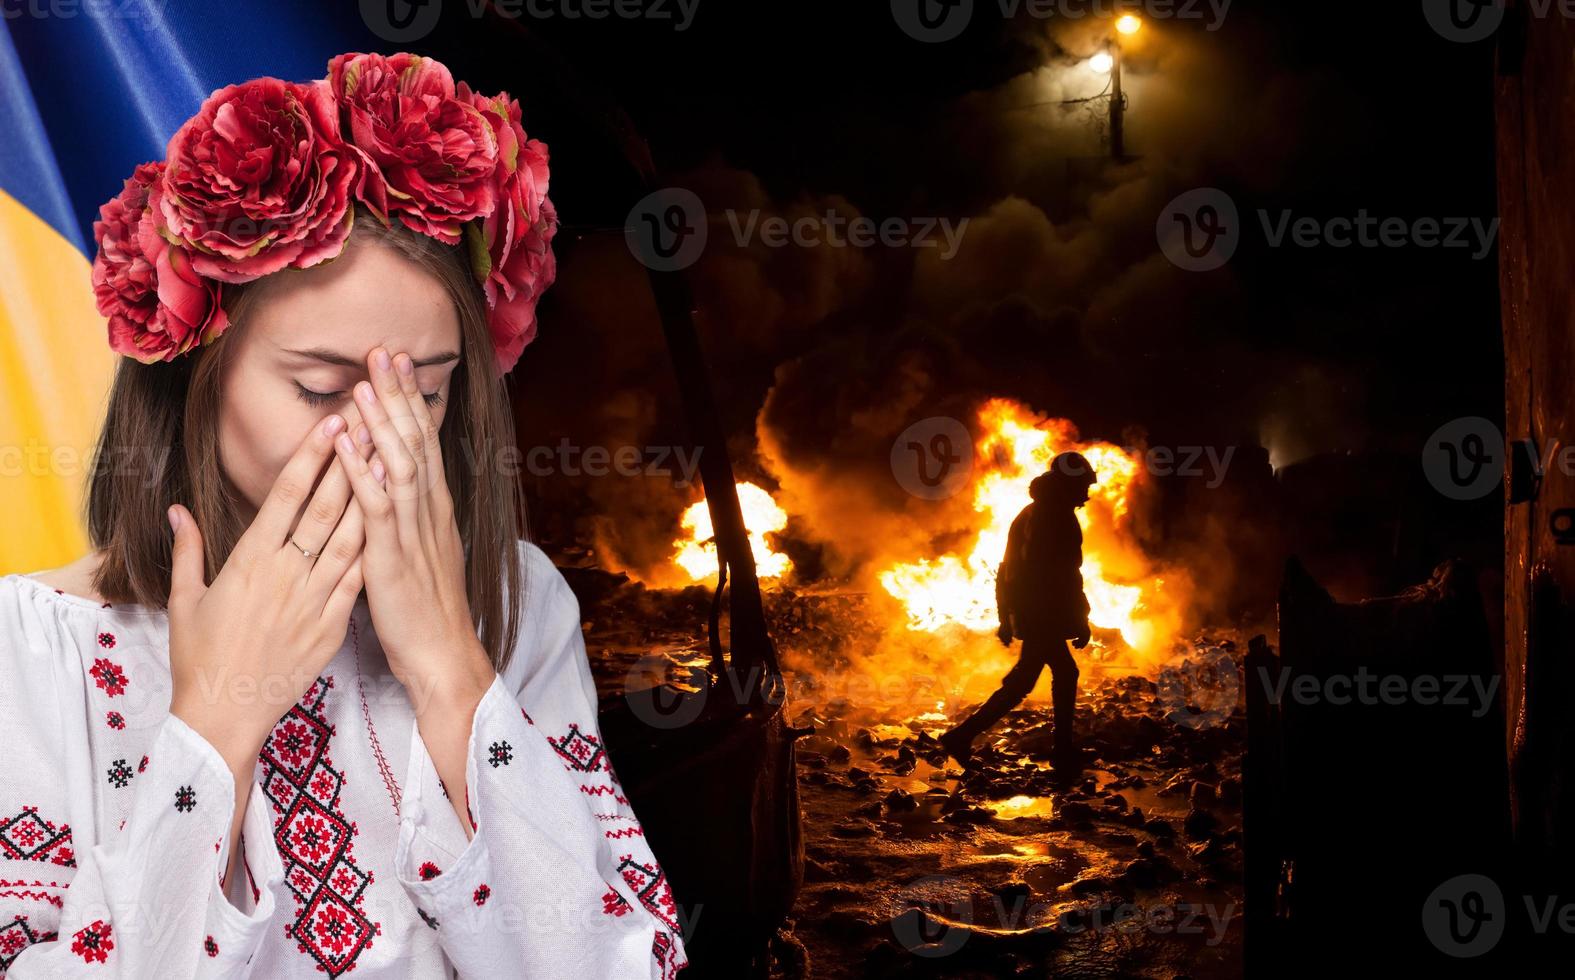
{"type": "Point", "coordinates": [91, 88]}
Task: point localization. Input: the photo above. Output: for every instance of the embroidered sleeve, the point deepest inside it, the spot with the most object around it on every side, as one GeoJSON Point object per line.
{"type": "Point", "coordinates": [558, 879]}
{"type": "Point", "coordinates": [148, 900]}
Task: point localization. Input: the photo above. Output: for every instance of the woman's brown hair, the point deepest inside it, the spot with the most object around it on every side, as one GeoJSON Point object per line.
{"type": "Point", "coordinates": [160, 445]}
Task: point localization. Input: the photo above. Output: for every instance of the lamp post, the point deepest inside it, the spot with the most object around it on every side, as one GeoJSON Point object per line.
{"type": "Point", "coordinates": [1125, 24]}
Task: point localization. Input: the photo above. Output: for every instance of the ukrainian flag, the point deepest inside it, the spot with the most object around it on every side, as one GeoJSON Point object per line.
{"type": "Point", "coordinates": [88, 90]}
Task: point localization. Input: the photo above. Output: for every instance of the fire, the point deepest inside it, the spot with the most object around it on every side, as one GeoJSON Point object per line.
{"type": "Point", "coordinates": [959, 589]}
{"type": "Point", "coordinates": [697, 547]}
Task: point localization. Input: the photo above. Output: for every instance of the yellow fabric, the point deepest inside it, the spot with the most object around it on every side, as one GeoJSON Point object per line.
{"type": "Point", "coordinates": [55, 374]}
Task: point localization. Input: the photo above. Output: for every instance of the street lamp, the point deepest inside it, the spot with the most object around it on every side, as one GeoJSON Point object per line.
{"type": "Point", "coordinates": [1101, 63]}
{"type": "Point", "coordinates": [1129, 25]}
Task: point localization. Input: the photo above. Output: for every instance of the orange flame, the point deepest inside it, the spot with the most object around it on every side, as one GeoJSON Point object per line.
{"type": "Point", "coordinates": [697, 547]}
{"type": "Point", "coordinates": [959, 589]}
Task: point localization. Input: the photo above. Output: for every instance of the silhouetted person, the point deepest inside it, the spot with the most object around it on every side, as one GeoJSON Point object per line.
{"type": "Point", "coordinates": [1039, 593]}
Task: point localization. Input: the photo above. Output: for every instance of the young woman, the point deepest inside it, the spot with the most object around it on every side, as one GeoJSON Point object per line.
{"type": "Point", "coordinates": [311, 705]}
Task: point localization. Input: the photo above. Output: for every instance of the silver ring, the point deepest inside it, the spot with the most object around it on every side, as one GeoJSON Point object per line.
{"type": "Point", "coordinates": [309, 554]}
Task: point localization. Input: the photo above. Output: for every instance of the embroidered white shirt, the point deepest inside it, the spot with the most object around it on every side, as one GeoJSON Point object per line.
{"type": "Point", "coordinates": [115, 816]}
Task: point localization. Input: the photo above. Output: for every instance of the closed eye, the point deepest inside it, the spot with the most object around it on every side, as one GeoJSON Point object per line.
{"type": "Point", "coordinates": [319, 398]}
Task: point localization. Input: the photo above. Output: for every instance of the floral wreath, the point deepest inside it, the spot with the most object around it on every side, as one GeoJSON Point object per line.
{"type": "Point", "coordinates": [265, 175]}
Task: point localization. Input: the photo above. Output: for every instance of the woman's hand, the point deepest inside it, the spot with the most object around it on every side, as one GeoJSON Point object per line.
{"type": "Point", "coordinates": [246, 648]}
{"type": "Point", "coordinates": [415, 560]}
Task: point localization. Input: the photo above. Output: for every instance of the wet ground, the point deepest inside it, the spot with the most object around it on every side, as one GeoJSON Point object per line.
{"type": "Point", "coordinates": [916, 868]}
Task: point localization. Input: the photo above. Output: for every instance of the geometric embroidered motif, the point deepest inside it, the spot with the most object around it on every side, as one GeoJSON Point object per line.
{"type": "Point", "coordinates": [16, 936]}
{"type": "Point", "coordinates": [315, 840]}
{"type": "Point", "coordinates": [649, 884]}
{"type": "Point", "coordinates": [580, 752]}
{"type": "Point", "coordinates": [29, 837]}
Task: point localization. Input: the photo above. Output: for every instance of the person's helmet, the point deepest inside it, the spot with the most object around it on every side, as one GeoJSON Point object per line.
{"type": "Point", "coordinates": [1070, 469]}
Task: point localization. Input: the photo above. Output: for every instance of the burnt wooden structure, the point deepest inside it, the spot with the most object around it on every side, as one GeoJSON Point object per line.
{"type": "Point", "coordinates": [1534, 95]}
{"type": "Point", "coordinates": [1374, 775]}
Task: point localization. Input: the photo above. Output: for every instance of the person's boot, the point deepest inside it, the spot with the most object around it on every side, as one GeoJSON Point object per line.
{"type": "Point", "coordinates": [958, 744]}
{"type": "Point", "coordinates": [1064, 756]}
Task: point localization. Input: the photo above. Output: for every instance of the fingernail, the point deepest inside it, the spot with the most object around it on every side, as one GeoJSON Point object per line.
{"type": "Point", "coordinates": [331, 425]}
{"type": "Point", "coordinates": [382, 359]}
{"type": "Point", "coordinates": [363, 436]}
{"type": "Point", "coordinates": [377, 470]}
{"type": "Point", "coordinates": [406, 366]}
{"type": "Point", "coordinates": [363, 391]}
{"type": "Point", "coordinates": [343, 442]}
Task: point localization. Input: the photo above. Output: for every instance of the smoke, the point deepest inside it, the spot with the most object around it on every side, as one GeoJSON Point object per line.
{"type": "Point", "coordinates": [1057, 297]}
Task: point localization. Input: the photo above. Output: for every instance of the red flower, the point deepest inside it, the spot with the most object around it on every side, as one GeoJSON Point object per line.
{"type": "Point", "coordinates": [259, 179]}
{"type": "Point", "coordinates": [158, 307]}
{"type": "Point", "coordinates": [429, 155]}
{"type": "Point", "coordinates": [513, 255]}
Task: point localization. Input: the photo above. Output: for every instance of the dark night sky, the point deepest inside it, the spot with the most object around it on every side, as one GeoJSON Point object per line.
{"type": "Point", "coordinates": [1059, 295]}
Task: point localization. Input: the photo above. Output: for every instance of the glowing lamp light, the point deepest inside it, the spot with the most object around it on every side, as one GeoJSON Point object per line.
{"type": "Point", "coordinates": [1101, 63]}
{"type": "Point", "coordinates": [1128, 24]}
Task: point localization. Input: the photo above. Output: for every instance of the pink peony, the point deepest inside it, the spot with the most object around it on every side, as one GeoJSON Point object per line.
{"type": "Point", "coordinates": [430, 155]}
{"type": "Point", "coordinates": [157, 305]}
{"type": "Point", "coordinates": [514, 288]}
{"type": "Point", "coordinates": [258, 180]}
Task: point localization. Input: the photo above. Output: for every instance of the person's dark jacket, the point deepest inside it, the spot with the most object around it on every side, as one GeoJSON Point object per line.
{"type": "Point", "coordinates": [1039, 584]}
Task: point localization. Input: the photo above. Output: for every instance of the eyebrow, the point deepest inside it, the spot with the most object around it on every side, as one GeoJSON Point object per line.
{"type": "Point", "coordinates": [334, 357]}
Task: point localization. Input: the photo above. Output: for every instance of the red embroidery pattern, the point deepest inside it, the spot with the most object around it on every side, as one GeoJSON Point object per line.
{"type": "Point", "coordinates": [29, 837]}
{"type": "Point", "coordinates": [580, 752]}
{"type": "Point", "coordinates": [23, 889]}
{"type": "Point", "coordinates": [109, 677]}
{"type": "Point", "coordinates": [92, 942]}
{"type": "Point", "coordinates": [16, 936]}
{"type": "Point", "coordinates": [315, 840]}
{"type": "Point", "coordinates": [649, 884]}
{"type": "Point", "coordinates": [210, 947]}
{"type": "Point", "coordinates": [383, 768]}
{"type": "Point", "coordinates": [482, 894]}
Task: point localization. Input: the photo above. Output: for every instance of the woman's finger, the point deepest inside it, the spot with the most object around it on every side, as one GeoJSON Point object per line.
{"type": "Point", "coordinates": [402, 470]}
{"type": "Point", "coordinates": [325, 510]}
{"type": "Point", "coordinates": [293, 486]}
{"type": "Point", "coordinates": [432, 462]}
{"type": "Point", "coordinates": [378, 513]}
{"type": "Point", "coordinates": [341, 551]}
